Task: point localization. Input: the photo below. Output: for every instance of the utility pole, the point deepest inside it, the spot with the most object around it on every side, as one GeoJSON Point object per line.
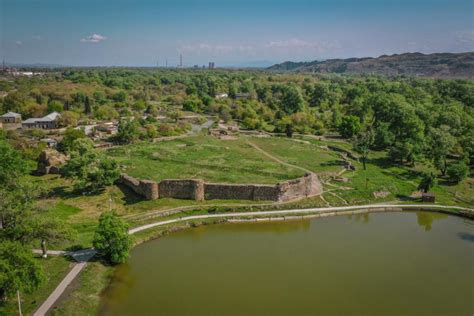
{"type": "Point", "coordinates": [19, 302]}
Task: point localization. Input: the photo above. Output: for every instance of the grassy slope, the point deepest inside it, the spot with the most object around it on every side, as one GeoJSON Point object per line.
{"type": "Point", "coordinates": [55, 268]}
{"type": "Point", "coordinates": [206, 158]}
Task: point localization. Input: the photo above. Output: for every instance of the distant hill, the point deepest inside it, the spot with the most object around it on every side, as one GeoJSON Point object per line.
{"type": "Point", "coordinates": [440, 65]}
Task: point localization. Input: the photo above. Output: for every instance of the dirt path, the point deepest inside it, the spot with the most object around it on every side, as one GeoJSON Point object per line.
{"type": "Point", "coordinates": [276, 159]}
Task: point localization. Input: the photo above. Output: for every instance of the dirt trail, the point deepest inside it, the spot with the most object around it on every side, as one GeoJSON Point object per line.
{"type": "Point", "coordinates": [277, 159]}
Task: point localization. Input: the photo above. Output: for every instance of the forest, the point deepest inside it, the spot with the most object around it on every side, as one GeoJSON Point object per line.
{"type": "Point", "coordinates": [412, 119]}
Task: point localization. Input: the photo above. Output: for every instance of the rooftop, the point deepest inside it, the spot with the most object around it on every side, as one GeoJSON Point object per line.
{"type": "Point", "coordinates": [11, 114]}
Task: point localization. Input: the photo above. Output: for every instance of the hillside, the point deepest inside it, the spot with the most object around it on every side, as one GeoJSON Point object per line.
{"type": "Point", "coordinates": [442, 65]}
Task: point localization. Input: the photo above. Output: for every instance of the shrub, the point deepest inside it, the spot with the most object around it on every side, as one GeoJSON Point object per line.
{"type": "Point", "coordinates": [457, 172]}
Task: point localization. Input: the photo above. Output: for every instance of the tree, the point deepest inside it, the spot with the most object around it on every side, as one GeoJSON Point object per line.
{"type": "Point", "coordinates": [350, 126]}
{"type": "Point", "coordinates": [458, 172]}
{"type": "Point", "coordinates": [90, 168]}
{"type": "Point", "coordinates": [12, 164]}
{"type": "Point", "coordinates": [362, 142]}
{"type": "Point", "coordinates": [191, 105]}
{"type": "Point", "coordinates": [292, 100]}
{"type": "Point", "coordinates": [428, 180]}
{"type": "Point", "coordinates": [87, 105]}
{"type": "Point", "coordinates": [70, 136]}
{"type": "Point", "coordinates": [127, 132]}
{"type": "Point", "coordinates": [55, 106]}
{"type": "Point", "coordinates": [68, 118]}
{"type": "Point", "coordinates": [111, 239]}
{"type": "Point", "coordinates": [441, 143]}
{"type": "Point", "coordinates": [20, 272]}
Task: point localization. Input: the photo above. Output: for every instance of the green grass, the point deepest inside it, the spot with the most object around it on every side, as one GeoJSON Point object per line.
{"type": "Point", "coordinates": [306, 154]}
{"type": "Point", "coordinates": [83, 297]}
{"type": "Point", "coordinates": [199, 157]}
{"type": "Point", "coordinates": [55, 268]}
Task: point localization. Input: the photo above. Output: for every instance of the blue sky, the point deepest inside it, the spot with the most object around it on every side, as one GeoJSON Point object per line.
{"type": "Point", "coordinates": [229, 32]}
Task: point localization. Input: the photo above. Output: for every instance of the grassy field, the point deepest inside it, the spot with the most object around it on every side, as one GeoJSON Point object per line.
{"type": "Point", "coordinates": [201, 157]}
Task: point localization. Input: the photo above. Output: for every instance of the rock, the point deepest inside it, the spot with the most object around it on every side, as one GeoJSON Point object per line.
{"type": "Point", "coordinates": [50, 161]}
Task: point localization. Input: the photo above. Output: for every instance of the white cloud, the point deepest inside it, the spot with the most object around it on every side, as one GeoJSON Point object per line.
{"type": "Point", "coordinates": [214, 50]}
{"type": "Point", "coordinates": [37, 37]}
{"type": "Point", "coordinates": [94, 38]}
{"type": "Point", "coordinates": [19, 42]}
{"type": "Point", "coordinates": [301, 45]}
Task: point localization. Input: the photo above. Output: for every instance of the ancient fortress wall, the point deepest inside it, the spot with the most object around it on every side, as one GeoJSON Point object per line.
{"type": "Point", "coordinates": [146, 188]}
{"type": "Point", "coordinates": [308, 185]}
{"type": "Point", "coordinates": [182, 189]}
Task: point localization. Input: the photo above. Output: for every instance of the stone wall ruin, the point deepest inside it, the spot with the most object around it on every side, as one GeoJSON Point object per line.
{"type": "Point", "coordinates": [195, 189]}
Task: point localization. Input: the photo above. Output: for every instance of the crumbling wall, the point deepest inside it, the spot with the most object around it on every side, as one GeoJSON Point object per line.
{"type": "Point", "coordinates": [146, 188]}
{"type": "Point", "coordinates": [308, 185]}
{"type": "Point", "coordinates": [182, 189]}
{"type": "Point", "coordinates": [224, 191]}
{"type": "Point", "coordinates": [198, 190]}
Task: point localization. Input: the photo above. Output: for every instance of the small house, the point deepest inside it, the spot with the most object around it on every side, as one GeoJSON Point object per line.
{"type": "Point", "coordinates": [49, 121]}
{"type": "Point", "coordinates": [10, 118]}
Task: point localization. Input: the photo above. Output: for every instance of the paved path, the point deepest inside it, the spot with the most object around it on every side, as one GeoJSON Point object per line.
{"type": "Point", "coordinates": [60, 289]}
{"type": "Point", "coordinates": [303, 211]}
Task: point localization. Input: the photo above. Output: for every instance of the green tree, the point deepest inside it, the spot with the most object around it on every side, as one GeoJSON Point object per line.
{"type": "Point", "coordinates": [70, 136]}
{"type": "Point", "coordinates": [127, 132]}
{"type": "Point", "coordinates": [428, 180]}
{"type": "Point", "coordinates": [87, 105]}
{"type": "Point", "coordinates": [441, 142]}
{"type": "Point", "coordinates": [292, 101]}
{"type": "Point", "coordinates": [362, 142]}
{"type": "Point", "coordinates": [90, 168]}
{"type": "Point", "coordinates": [12, 164]}
{"type": "Point", "coordinates": [458, 172]}
{"type": "Point", "coordinates": [111, 239]}
{"type": "Point", "coordinates": [55, 106]}
{"type": "Point", "coordinates": [350, 126]}
{"type": "Point", "coordinates": [19, 270]}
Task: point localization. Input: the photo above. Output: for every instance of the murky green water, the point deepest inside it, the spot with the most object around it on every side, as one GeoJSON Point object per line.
{"type": "Point", "coordinates": [378, 264]}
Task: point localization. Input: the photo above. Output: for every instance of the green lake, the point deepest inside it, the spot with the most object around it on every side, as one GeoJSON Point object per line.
{"type": "Point", "coordinates": [410, 263]}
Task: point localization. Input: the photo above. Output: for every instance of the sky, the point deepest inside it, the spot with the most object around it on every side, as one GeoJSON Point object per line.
{"type": "Point", "coordinates": [227, 32]}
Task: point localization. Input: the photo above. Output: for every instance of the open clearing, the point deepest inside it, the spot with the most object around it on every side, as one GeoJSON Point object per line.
{"type": "Point", "coordinates": [215, 160]}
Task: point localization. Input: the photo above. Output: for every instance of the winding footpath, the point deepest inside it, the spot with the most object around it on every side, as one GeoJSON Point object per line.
{"type": "Point", "coordinates": [280, 214]}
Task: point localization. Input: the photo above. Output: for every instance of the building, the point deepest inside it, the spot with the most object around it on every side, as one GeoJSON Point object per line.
{"type": "Point", "coordinates": [212, 65]}
{"type": "Point", "coordinates": [49, 121]}
{"type": "Point", "coordinates": [221, 96]}
{"type": "Point", "coordinates": [10, 118]}
{"type": "Point", "coordinates": [240, 96]}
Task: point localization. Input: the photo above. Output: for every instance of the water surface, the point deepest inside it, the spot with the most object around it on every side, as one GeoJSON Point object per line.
{"type": "Point", "coordinates": [378, 264]}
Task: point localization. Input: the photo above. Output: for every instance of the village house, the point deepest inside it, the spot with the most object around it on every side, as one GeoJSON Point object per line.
{"type": "Point", "coordinates": [49, 121]}
{"type": "Point", "coordinates": [10, 120]}
{"type": "Point", "coordinates": [221, 96]}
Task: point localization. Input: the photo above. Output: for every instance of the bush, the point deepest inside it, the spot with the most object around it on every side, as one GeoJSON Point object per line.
{"type": "Point", "coordinates": [350, 126]}
{"type": "Point", "coordinates": [457, 172]}
{"type": "Point", "coordinates": [111, 239]}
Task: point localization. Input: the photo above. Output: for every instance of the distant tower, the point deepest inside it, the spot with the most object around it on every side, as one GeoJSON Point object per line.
{"type": "Point", "coordinates": [212, 65]}
{"type": "Point", "coordinates": [166, 63]}
{"type": "Point", "coordinates": [4, 65]}
{"type": "Point", "coordinates": [181, 60]}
